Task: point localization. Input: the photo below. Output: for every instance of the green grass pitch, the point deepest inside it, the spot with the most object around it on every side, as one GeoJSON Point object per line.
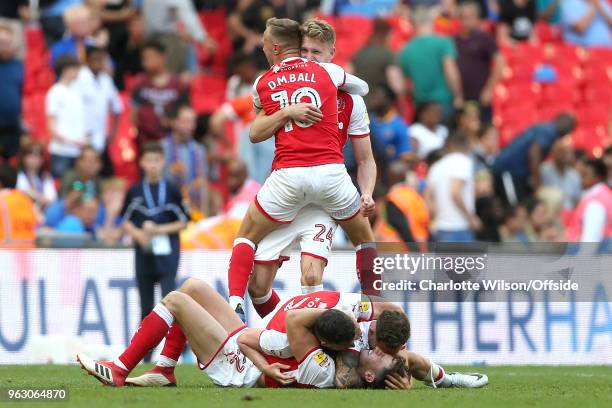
{"type": "Point", "coordinates": [509, 386]}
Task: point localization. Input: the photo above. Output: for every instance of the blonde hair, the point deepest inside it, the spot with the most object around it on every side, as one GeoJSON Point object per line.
{"type": "Point", "coordinates": [74, 12]}
{"type": "Point", "coordinates": [286, 31]}
{"type": "Point", "coordinates": [319, 30]}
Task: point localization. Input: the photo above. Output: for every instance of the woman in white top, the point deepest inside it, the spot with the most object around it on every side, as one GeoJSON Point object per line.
{"type": "Point", "coordinates": [428, 134]}
{"type": "Point", "coordinates": [31, 178]}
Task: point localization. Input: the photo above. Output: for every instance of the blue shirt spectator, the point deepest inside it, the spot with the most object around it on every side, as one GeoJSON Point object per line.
{"type": "Point", "coordinates": [11, 81]}
{"type": "Point", "coordinates": [587, 23]}
{"type": "Point", "coordinates": [392, 132]}
{"type": "Point", "coordinates": [549, 10]}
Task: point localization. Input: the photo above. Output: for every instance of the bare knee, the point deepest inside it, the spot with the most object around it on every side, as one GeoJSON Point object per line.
{"type": "Point", "coordinates": [312, 271]}
{"type": "Point", "coordinates": [174, 301]}
{"type": "Point", "coordinates": [258, 289]}
{"type": "Point", "coordinates": [192, 285]}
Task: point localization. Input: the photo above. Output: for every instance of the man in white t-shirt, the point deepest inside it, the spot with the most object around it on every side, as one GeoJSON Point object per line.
{"type": "Point", "coordinates": [450, 193]}
{"type": "Point", "coordinates": [100, 97]}
{"type": "Point", "coordinates": [65, 117]}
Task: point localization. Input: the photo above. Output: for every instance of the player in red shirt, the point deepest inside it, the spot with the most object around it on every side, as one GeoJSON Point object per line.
{"type": "Point", "coordinates": [313, 228]}
{"type": "Point", "coordinates": [308, 165]}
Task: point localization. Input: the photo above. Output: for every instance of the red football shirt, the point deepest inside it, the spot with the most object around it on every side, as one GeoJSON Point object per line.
{"type": "Point", "coordinates": [297, 80]}
{"type": "Point", "coordinates": [353, 117]}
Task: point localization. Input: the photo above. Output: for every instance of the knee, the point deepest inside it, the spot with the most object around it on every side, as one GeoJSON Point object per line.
{"type": "Point", "coordinates": [174, 300]}
{"type": "Point", "coordinates": [257, 289]}
{"type": "Point", "coordinates": [312, 272]}
{"type": "Point", "coordinates": [191, 286]}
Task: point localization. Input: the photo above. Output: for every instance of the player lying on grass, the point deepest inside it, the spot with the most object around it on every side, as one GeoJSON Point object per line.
{"type": "Point", "coordinates": [272, 340]}
{"type": "Point", "coordinates": [312, 226]}
{"type": "Point", "coordinates": [308, 164]}
{"type": "Point", "coordinates": [213, 330]}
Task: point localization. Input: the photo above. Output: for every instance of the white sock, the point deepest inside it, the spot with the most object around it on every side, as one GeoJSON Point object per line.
{"type": "Point", "coordinates": [263, 299]}
{"type": "Point", "coordinates": [438, 377]}
{"type": "Point", "coordinates": [310, 289]}
{"type": "Point", "coordinates": [163, 312]}
{"type": "Point", "coordinates": [245, 241]}
{"type": "Point", "coordinates": [235, 301]}
{"type": "Point", "coordinates": [119, 364]}
{"type": "Point", "coordinates": [163, 361]}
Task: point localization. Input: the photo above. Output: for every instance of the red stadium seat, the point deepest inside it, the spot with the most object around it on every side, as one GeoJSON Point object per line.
{"type": "Point", "coordinates": [591, 139]}
{"type": "Point", "coordinates": [548, 33]}
{"type": "Point", "coordinates": [208, 92]}
{"type": "Point", "coordinates": [549, 111]}
{"type": "Point", "coordinates": [566, 92]}
{"type": "Point", "coordinates": [593, 115]}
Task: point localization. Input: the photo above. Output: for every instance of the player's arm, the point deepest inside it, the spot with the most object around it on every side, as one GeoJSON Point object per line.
{"type": "Point", "coordinates": [299, 334]}
{"type": "Point", "coordinates": [346, 370]}
{"type": "Point", "coordinates": [366, 172]}
{"type": "Point", "coordinates": [265, 126]}
{"type": "Point", "coordinates": [249, 345]}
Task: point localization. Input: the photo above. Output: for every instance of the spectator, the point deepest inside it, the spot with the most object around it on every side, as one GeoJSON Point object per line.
{"type": "Point", "coordinates": [115, 16]}
{"type": "Point", "coordinates": [592, 220]}
{"type": "Point", "coordinates": [155, 94]}
{"type": "Point", "coordinates": [80, 217]}
{"type": "Point", "coordinates": [514, 225]}
{"type": "Point", "coordinates": [86, 173]}
{"type": "Point", "coordinates": [480, 63]}
{"type": "Point", "coordinates": [486, 148]}
{"type": "Point", "coordinates": [607, 159]}
{"type": "Point", "coordinates": [133, 48]}
{"type": "Point", "coordinates": [32, 179]}
{"type": "Point", "coordinates": [560, 174]}
{"type": "Point", "coordinates": [516, 21]}
{"type": "Point", "coordinates": [52, 18]}
{"type": "Point", "coordinates": [56, 211]}
{"type": "Point", "coordinates": [65, 117]}
{"type": "Point", "coordinates": [549, 10]}
{"type": "Point", "coordinates": [13, 13]}
{"type": "Point", "coordinates": [450, 193]}
{"type": "Point", "coordinates": [467, 120]}
{"type": "Point", "coordinates": [186, 160]}
{"type": "Point", "coordinates": [176, 25]}
{"type": "Point", "coordinates": [242, 189]}
{"type": "Point", "coordinates": [100, 97]}
{"type": "Point", "coordinates": [517, 168]}
{"type": "Point", "coordinates": [430, 61]}
{"type": "Point", "coordinates": [153, 215]}
{"type": "Point", "coordinates": [244, 73]}
{"type": "Point", "coordinates": [427, 134]}
{"type": "Point", "coordinates": [587, 23]}
{"type": "Point", "coordinates": [80, 26]}
{"type": "Point", "coordinates": [537, 219]}
{"type": "Point", "coordinates": [109, 217]}
{"type": "Point", "coordinates": [11, 72]}
{"type": "Point", "coordinates": [375, 58]}
{"type": "Point", "coordinates": [406, 210]}
{"type": "Point", "coordinates": [387, 126]}
{"type": "Point", "coordinates": [18, 218]}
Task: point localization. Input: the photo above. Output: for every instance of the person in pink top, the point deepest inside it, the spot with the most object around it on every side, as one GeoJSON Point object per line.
{"type": "Point", "coordinates": [242, 189]}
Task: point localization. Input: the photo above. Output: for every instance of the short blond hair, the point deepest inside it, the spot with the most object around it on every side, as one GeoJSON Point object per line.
{"type": "Point", "coordinates": [319, 30]}
{"type": "Point", "coordinates": [286, 31]}
{"type": "Point", "coordinates": [76, 12]}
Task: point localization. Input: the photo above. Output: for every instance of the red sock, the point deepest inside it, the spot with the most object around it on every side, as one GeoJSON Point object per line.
{"type": "Point", "coordinates": [265, 308]}
{"type": "Point", "coordinates": [366, 253]}
{"type": "Point", "coordinates": [240, 267]}
{"type": "Point", "coordinates": [175, 342]}
{"type": "Point", "coordinates": [151, 331]}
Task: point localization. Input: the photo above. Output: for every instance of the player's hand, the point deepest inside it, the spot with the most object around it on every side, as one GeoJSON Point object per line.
{"type": "Point", "coordinates": [367, 205]}
{"type": "Point", "coordinates": [305, 112]}
{"type": "Point", "coordinates": [398, 382]}
{"type": "Point", "coordinates": [274, 371]}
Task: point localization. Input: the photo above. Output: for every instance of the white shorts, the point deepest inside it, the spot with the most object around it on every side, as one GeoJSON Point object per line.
{"type": "Point", "coordinates": [286, 191]}
{"type": "Point", "coordinates": [229, 367]}
{"type": "Point", "coordinates": [312, 228]}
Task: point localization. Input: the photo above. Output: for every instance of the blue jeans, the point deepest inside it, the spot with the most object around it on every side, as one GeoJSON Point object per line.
{"type": "Point", "coordinates": [454, 236]}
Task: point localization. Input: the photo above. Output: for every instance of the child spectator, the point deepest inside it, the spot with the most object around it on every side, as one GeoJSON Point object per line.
{"type": "Point", "coordinates": [65, 117]}
{"type": "Point", "coordinates": [32, 179]}
{"type": "Point", "coordinates": [153, 215]}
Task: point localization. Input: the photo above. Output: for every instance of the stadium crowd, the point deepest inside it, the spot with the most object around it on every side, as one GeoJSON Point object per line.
{"type": "Point", "coordinates": [490, 120]}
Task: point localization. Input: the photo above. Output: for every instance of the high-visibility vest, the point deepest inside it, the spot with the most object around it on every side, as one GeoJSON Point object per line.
{"type": "Point", "coordinates": [413, 206]}
{"type": "Point", "coordinates": [602, 195]}
{"type": "Point", "coordinates": [18, 219]}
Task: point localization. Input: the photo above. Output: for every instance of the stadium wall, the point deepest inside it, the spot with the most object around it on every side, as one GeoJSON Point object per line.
{"type": "Point", "coordinates": [54, 303]}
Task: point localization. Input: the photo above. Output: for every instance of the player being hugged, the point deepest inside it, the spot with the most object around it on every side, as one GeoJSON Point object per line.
{"type": "Point", "coordinates": [308, 166]}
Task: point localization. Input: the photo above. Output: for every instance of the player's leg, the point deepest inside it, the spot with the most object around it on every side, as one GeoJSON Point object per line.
{"type": "Point", "coordinates": [263, 297]}
{"type": "Point", "coordinates": [360, 233]}
{"type": "Point", "coordinates": [277, 202]}
{"type": "Point", "coordinates": [434, 375]}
